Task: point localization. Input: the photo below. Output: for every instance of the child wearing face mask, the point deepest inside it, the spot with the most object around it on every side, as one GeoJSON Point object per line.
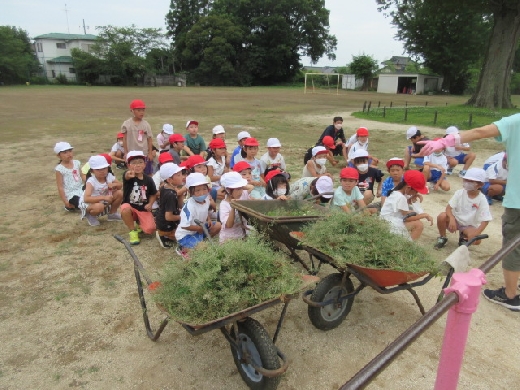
{"type": "Point", "coordinates": [435, 168]}
{"type": "Point", "coordinates": [118, 152]}
{"type": "Point", "coordinates": [367, 176]}
{"type": "Point", "coordinates": [315, 167]}
{"type": "Point", "coordinates": [360, 141]}
{"type": "Point", "coordinates": [235, 188]}
{"type": "Point", "coordinates": [396, 209]}
{"type": "Point", "coordinates": [277, 185]}
{"type": "Point", "coordinates": [467, 211]}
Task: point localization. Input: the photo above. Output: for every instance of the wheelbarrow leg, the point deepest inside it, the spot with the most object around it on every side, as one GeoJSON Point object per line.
{"type": "Point", "coordinates": [279, 326]}
{"type": "Point", "coordinates": [417, 300]}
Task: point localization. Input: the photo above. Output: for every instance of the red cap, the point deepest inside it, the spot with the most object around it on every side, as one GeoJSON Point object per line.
{"type": "Point", "coordinates": [240, 166]}
{"type": "Point", "coordinates": [328, 141]}
{"type": "Point", "coordinates": [120, 135]}
{"type": "Point", "coordinates": [217, 143]}
{"type": "Point", "coordinates": [107, 157]}
{"type": "Point", "coordinates": [137, 104]}
{"type": "Point", "coordinates": [251, 142]}
{"type": "Point", "coordinates": [272, 174]}
{"type": "Point", "coordinates": [349, 173]}
{"type": "Point", "coordinates": [165, 157]}
{"type": "Point", "coordinates": [362, 132]}
{"type": "Point", "coordinates": [415, 179]}
{"type": "Point", "coordinates": [195, 160]}
{"type": "Point", "coordinates": [176, 138]}
{"type": "Point", "coordinates": [191, 123]}
{"type": "Point", "coordinates": [395, 161]}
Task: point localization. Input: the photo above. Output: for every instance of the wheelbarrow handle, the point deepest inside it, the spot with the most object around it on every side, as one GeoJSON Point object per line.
{"type": "Point", "coordinates": [476, 238]}
{"type": "Point", "coordinates": [137, 263]}
{"type": "Point", "coordinates": [412, 214]}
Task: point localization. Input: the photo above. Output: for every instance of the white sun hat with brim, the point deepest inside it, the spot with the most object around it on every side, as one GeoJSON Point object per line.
{"type": "Point", "coordinates": [196, 179]}
{"type": "Point", "coordinates": [134, 154]}
{"type": "Point", "coordinates": [61, 147]}
{"type": "Point", "coordinates": [324, 185]}
{"type": "Point", "coordinates": [476, 174]}
{"type": "Point", "coordinates": [452, 130]}
{"type": "Point", "coordinates": [167, 128]}
{"type": "Point", "coordinates": [97, 162]}
{"type": "Point", "coordinates": [318, 149]}
{"type": "Point", "coordinates": [411, 132]}
{"type": "Point", "coordinates": [168, 170]}
{"type": "Point", "coordinates": [218, 129]}
{"type": "Point", "coordinates": [242, 135]}
{"type": "Point", "coordinates": [273, 143]}
{"type": "Point", "coordinates": [360, 153]}
{"type": "Point", "coordinates": [232, 180]}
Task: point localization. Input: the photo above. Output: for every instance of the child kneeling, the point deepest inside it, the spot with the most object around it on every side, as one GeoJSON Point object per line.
{"type": "Point", "coordinates": [467, 211]}
{"type": "Point", "coordinates": [189, 234]}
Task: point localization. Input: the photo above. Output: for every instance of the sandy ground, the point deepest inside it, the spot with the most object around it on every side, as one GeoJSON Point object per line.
{"type": "Point", "coordinates": [71, 317]}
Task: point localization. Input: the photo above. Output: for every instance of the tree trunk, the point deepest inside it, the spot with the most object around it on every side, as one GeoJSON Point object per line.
{"type": "Point", "coordinates": [494, 84]}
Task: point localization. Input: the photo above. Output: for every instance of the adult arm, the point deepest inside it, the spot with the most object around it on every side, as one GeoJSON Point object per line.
{"type": "Point", "coordinates": [488, 131]}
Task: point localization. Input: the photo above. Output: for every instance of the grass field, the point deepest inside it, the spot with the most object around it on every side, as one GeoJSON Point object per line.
{"type": "Point", "coordinates": [69, 314]}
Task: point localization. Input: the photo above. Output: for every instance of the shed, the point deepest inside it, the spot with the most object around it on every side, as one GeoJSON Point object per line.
{"type": "Point", "coordinates": [410, 83]}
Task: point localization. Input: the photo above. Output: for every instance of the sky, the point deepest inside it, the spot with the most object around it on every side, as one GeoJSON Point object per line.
{"type": "Point", "coordinates": [357, 25]}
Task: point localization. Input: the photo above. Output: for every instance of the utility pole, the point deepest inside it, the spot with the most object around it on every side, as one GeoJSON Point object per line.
{"type": "Point", "coordinates": [84, 29]}
{"type": "Point", "coordinates": [67, 16]}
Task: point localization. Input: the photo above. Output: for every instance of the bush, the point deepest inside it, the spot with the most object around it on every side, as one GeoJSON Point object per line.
{"type": "Point", "coordinates": [116, 80]}
{"type": "Point", "coordinates": [62, 79]}
{"type": "Point", "coordinates": [39, 80]}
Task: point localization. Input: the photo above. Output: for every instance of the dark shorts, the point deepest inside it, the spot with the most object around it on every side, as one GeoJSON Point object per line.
{"type": "Point", "coordinates": [74, 201]}
{"type": "Point", "coordinates": [435, 175]}
{"type": "Point", "coordinates": [419, 161]}
{"type": "Point", "coordinates": [460, 158]}
{"type": "Point", "coordinates": [510, 229]}
{"type": "Point", "coordinates": [485, 188]}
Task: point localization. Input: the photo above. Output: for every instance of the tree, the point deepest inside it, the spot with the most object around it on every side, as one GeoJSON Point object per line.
{"type": "Point", "coordinates": [493, 88]}
{"type": "Point", "coordinates": [17, 60]}
{"type": "Point", "coordinates": [364, 67]}
{"type": "Point", "coordinates": [88, 67]}
{"type": "Point", "coordinates": [124, 50]}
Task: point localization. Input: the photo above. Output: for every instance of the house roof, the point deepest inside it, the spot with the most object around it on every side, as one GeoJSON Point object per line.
{"type": "Point", "coordinates": [86, 37]}
{"type": "Point", "coordinates": [60, 60]}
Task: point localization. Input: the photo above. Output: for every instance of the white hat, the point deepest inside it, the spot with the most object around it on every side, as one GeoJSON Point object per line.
{"type": "Point", "coordinates": [195, 179]}
{"type": "Point", "coordinates": [359, 153]}
{"type": "Point", "coordinates": [452, 130]}
{"type": "Point", "coordinates": [134, 153]}
{"type": "Point", "coordinates": [273, 143]}
{"type": "Point", "coordinates": [97, 162]}
{"type": "Point", "coordinates": [168, 170]}
{"type": "Point", "coordinates": [476, 174]}
{"type": "Point", "coordinates": [167, 128]}
{"type": "Point", "coordinates": [318, 149]}
{"type": "Point", "coordinates": [325, 184]}
{"type": "Point", "coordinates": [218, 129]}
{"type": "Point", "coordinates": [232, 180]}
{"type": "Point", "coordinates": [61, 147]}
{"type": "Point", "coordinates": [242, 135]}
{"type": "Point", "coordinates": [411, 132]}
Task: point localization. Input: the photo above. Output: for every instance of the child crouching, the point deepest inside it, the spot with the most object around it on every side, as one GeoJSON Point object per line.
{"type": "Point", "coordinates": [233, 226]}
{"type": "Point", "coordinates": [168, 215]}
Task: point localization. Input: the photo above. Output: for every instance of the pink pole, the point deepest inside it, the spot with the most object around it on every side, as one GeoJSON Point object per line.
{"type": "Point", "coordinates": [467, 286]}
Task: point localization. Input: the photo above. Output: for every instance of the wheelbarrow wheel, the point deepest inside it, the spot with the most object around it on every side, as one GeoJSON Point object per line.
{"type": "Point", "coordinates": [253, 337]}
{"type": "Point", "coordinates": [330, 316]}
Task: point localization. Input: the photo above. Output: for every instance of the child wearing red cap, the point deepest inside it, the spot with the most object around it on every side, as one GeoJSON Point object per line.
{"type": "Point", "coordinates": [118, 152]}
{"type": "Point", "coordinates": [277, 185]}
{"type": "Point", "coordinates": [396, 209]}
{"type": "Point", "coordinates": [348, 196]}
{"type": "Point", "coordinates": [137, 134]}
{"type": "Point", "coordinates": [176, 145]}
{"type": "Point", "coordinates": [248, 154]}
{"type": "Point", "coordinates": [395, 167]}
{"type": "Point", "coordinates": [359, 141]}
{"type": "Point", "coordinates": [217, 164]}
{"type": "Point", "coordinates": [194, 141]}
{"type": "Point", "coordinates": [316, 167]}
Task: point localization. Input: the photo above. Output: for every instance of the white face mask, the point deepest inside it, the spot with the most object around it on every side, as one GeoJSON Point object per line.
{"type": "Point", "coordinates": [408, 196]}
{"type": "Point", "coordinates": [338, 127]}
{"type": "Point", "coordinates": [362, 167]}
{"type": "Point", "coordinates": [321, 161]}
{"type": "Point", "coordinates": [120, 143]}
{"type": "Point", "coordinates": [469, 186]}
{"type": "Point", "coordinates": [280, 191]}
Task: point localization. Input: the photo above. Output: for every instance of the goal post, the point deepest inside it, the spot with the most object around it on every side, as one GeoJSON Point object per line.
{"type": "Point", "coordinates": [324, 83]}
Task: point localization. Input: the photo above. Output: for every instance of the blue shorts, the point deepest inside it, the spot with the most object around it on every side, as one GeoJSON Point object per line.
{"type": "Point", "coordinates": [192, 240]}
{"type": "Point", "coordinates": [460, 158]}
{"type": "Point", "coordinates": [435, 176]}
{"type": "Point", "coordinates": [485, 188]}
{"type": "Point", "coordinates": [419, 161]}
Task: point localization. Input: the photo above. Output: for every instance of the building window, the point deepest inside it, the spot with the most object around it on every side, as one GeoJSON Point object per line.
{"type": "Point", "coordinates": [39, 47]}
{"type": "Point", "coordinates": [72, 70]}
{"type": "Point", "coordinates": [61, 45]}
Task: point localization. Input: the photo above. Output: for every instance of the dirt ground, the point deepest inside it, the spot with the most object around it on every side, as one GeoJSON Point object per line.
{"type": "Point", "coordinates": [70, 315]}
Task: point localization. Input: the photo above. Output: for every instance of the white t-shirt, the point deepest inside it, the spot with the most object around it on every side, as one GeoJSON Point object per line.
{"type": "Point", "coordinates": [320, 171]}
{"type": "Point", "coordinates": [100, 189]}
{"type": "Point", "coordinates": [392, 212]}
{"type": "Point", "coordinates": [439, 160]}
{"type": "Point", "coordinates": [356, 146]}
{"type": "Point", "coordinates": [269, 162]}
{"type": "Point", "coordinates": [117, 148]}
{"type": "Point", "coordinates": [237, 230]}
{"type": "Point", "coordinates": [470, 212]}
{"type": "Point", "coordinates": [161, 139]}
{"type": "Point", "coordinates": [191, 211]}
{"type": "Point", "coordinates": [451, 152]}
{"type": "Point", "coordinates": [218, 168]}
{"type": "Point", "coordinates": [496, 172]}
{"type": "Point", "coordinates": [352, 140]}
{"type": "Point", "coordinates": [72, 182]}
{"type": "Point", "coordinates": [495, 158]}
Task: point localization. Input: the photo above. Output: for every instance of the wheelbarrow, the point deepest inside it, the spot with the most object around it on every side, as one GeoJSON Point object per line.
{"type": "Point", "coordinates": [332, 298]}
{"type": "Point", "coordinates": [259, 362]}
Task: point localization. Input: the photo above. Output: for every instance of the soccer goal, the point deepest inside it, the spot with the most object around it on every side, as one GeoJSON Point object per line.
{"type": "Point", "coordinates": [322, 83]}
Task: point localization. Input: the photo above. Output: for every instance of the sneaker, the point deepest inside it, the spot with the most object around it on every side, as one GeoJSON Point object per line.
{"type": "Point", "coordinates": [500, 198]}
{"type": "Point", "coordinates": [449, 171]}
{"type": "Point", "coordinates": [499, 296]}
{"type": "Point", "coordinates": [182, 252]}
{"type": "Point", "coordinates": [462, 240]}
{"type": "Point", "coordinates": [138, 228]}
{"type": "Point", "coordinates": [134, 237]}
{"type": "Point", "coordinates": [164, 241]}
{"type": "Point", "coordinates": [462, 173]}
{"type": "Point", "coordinates": [121, 166]}
{"type": "Point", "coordinates": [441, 242]}
{"type": "Point", "coordinates": [114, 217]}
{"type": "Point", "coordinates": [69, 208]}
{"type": "Point", "coordinates": [92, 221]}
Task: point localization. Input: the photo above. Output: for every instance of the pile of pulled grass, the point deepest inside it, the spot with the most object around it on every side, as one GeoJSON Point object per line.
{"type": "Point", "coordinates": [224, 278]}
{"type": "Point", "coordinates": [295, 209]}
{"type": "Point", "coordinates": [366, 241]}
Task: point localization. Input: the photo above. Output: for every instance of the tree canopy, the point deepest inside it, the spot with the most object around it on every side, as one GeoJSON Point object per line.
{"type": "Point", "coordinates": [364, 67]}
{"type": "Point", "coordinates": [17, 60]}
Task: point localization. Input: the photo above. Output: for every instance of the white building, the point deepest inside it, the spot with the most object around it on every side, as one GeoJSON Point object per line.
{"type": "Point", "coordinates": [53, 52]}
{"type": "Point", "coordinates": [411, 83]}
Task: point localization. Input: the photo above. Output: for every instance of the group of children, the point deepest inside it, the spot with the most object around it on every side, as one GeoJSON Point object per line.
{"type": "Point", "coordinates": [179, 202]}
